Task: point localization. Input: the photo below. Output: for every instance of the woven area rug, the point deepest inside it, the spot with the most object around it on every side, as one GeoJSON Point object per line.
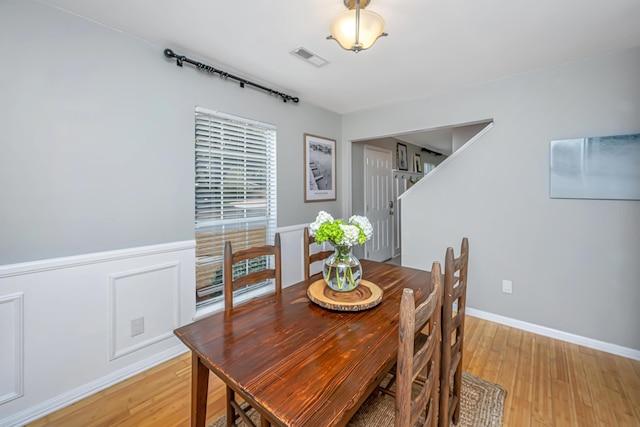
{"type": "Point", "coordinates": [482, 406]}
{"type": "Point", "coordinates": [482, 402]}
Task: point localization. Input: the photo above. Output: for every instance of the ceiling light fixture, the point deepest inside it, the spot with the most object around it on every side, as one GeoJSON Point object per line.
{"type": "Point", "coordinates": [357, 29]}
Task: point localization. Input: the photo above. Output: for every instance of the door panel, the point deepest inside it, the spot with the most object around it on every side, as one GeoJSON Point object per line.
{"type": "Point", "coordinates": [399, 186]}
{"type": "Point", "coordinates": [377, 170]}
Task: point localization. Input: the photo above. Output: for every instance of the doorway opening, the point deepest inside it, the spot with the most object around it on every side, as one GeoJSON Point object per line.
{"type": "Point", "coordinates": [376, 188]}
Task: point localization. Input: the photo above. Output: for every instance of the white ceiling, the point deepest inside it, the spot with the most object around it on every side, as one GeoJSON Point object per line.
{"type": "Point", "coordinates": [433, 46]}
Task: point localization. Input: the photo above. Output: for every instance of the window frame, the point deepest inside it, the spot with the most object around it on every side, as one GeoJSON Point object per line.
{"type": "Point", "coordinates": [235, 197]}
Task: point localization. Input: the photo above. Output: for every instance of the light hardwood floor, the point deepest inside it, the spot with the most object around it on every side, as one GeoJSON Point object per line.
{"type": "Point", "coordinates": [548, 382]}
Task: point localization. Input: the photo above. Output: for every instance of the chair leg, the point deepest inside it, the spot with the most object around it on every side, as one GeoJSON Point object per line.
{"type": "Point", "coordinates": [457, 393]}
{"type": "Point", "coordinates": [445, 386]}
{"type": "Point", "coordinates": [443, 419]}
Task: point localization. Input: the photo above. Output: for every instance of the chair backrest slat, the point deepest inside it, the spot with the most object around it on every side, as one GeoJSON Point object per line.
{"type": "Point", "coordinates": [231, 258]}
{"type": "Point", "coordinates": [310, 258]}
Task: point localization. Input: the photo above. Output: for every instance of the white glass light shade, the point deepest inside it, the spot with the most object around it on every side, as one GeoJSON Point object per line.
{"type": "Point", "coordinates": [343, 29]}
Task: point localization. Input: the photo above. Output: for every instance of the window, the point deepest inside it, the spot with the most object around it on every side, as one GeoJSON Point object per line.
{"type": "Point", "coordinates": [428, 167]}
{"type": "Point", "coordinates": [235, 195]}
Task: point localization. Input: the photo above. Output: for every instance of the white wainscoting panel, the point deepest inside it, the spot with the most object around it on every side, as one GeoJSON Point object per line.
{"type": "Point", "coordinates": [292, 255]}
{"type": "Point", "coordinates": [70, 330]}
{"type": "Point", "coordinates": [75, 332]}
{"type": "Point", "coordinates": [151, 294]}
{"type": "Point", "coordinates": [11, 347]}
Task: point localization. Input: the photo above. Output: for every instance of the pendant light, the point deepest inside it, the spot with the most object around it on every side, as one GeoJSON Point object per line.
{"type": "Point", "coordinates": [357, 29]}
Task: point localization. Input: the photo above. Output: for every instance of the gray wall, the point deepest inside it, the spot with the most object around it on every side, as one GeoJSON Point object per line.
{"type": "Point", "coordinates": [573, 263]}
{"type": "Point", "coordinates": [97, 137]}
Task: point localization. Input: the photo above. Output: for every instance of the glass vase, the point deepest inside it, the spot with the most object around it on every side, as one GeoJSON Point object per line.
{"type": "Point", "coordinates": [342, 270]}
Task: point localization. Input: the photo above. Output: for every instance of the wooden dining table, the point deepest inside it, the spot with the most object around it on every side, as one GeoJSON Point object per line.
{"type": "Point", "coordinates": [296, 363]}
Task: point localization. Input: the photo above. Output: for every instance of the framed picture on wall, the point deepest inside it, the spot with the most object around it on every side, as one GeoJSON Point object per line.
{"type": "Point", "coordinates": [401, 157]}
{"type": "Point", "coordinates": [597, 167]}
{"type": "Point", "coordinates": [417, 163]}
{"type": "Point", "coordinates": [319, 168]}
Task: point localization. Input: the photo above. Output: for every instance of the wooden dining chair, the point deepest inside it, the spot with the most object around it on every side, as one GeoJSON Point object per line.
{"type": "Point", "coordinates": [231, 258]}
{"type": "Point", "coordinates": [415, 384]}
{"type": "Point", "coordinates": [234, 409]}
{"type": "Point", "coordinates": [454, 294]}
{"type": "Point", "coordinates": [310, 258]}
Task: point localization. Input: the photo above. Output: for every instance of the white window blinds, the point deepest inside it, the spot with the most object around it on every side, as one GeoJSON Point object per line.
{"type": "Point", "coordinates": [235, 193]}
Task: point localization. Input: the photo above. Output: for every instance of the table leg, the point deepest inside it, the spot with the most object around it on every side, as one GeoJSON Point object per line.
{"type": "Point", "coordinates": [231, 410]}
{"type": "Point", "coordinates": [199, 390]}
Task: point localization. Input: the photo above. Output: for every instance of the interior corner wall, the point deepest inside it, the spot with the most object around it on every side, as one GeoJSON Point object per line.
{"type": "Point", "coordinates": [97, 137]}
{"type": "Point", "coordinates": [573, 263]}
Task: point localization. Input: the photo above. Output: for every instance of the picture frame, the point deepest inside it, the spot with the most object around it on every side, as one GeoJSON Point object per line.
{"type": "Point", "coordinates": [319, 168]}
{"type": "Point", "coordinates": [417, 163]}
{"type": "Point", "coordinates": [401, 157]}
{"type": "Point", "coordinates": [597, 168]}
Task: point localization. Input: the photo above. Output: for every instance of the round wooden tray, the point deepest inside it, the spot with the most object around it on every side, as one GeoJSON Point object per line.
{"type": "Point", "coordinates": [365, 296]}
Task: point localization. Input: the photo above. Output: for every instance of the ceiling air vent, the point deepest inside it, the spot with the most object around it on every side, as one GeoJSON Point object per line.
{"type": "Point", "coordinates": [309, 57]}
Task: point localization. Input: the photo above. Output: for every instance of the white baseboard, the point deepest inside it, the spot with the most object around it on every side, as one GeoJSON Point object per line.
{"type": "Point", "coordinates": [65, 399]}
{"type": "Point", "coordinates": [554, 333]}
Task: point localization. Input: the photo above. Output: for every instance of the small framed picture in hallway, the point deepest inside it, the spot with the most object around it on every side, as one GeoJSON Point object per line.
{"type": "Point", "coordinates": [402, 161]}
{"type": "Point", "coordinates": [319, 168]}
{"type": "Point", "coordinates": [417, 163]}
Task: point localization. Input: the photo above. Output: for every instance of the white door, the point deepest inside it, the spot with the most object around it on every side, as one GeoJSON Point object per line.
{"type": "Point", "coordinates": [377, 202]}
{"type": "Point", "coordinates": [399, 186]}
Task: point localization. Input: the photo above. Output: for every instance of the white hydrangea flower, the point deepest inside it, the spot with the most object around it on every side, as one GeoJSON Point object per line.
{"type": "Point", "coordinates": [351, 233]}
{"type": "Point", "coordinates": [364, 223]}
{"type": "Point", "coordinates": [320, 219]}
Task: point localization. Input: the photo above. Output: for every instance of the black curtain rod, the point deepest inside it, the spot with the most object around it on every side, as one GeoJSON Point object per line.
{"type": "Point", "coordinates": [211, 70]}
{"type": "Point", "coordinates": [435, 153]}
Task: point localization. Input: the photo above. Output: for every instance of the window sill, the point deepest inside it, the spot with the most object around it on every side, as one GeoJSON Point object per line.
{"type": "Point", "coordinates": [218, 306]}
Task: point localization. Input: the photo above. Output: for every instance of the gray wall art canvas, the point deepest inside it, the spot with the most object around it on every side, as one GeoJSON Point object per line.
{"type": "Point", "coordinates": [606, 167]}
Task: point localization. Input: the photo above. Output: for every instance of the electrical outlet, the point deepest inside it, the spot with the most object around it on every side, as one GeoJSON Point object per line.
{"type": "Point", "coordinates": [507, 286]}
{"type": "Point", "coordinates": [137, 326]}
